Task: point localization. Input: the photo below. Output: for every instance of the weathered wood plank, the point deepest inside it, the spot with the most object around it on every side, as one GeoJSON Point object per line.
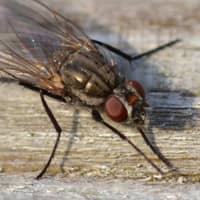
{"type": "Point", "coordinates": [170, 77]}
{"type": "Point", "coordinates": [22, 188]}
{"type": "Point", "coordinates": [27, 138]}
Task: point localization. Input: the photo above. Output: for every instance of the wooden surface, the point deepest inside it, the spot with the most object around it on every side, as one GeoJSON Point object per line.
{"type": "Point", "coordinates": [23, 188]}
{"type": "Point", "coordinates": [87, 149]}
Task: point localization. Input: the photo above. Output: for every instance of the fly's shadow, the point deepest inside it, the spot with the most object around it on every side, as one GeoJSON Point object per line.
{"type": "Point", "coordinates": [73, 134]}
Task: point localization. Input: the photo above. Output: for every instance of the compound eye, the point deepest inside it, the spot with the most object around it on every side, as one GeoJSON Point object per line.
{"type": "Point", "coordinates": [115, 109]}
{"type": "Point", "coordinates": [138, 87]}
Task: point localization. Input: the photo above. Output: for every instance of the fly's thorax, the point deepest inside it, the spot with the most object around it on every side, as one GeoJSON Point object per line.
{"type": "Point", "coordinates": [88, 77]}
{"type": "Point", "coordinates": [127, 103]}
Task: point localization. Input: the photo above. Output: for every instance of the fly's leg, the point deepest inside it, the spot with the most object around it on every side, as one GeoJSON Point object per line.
{"type": "Point", "coordinates": [155, 50]}
{"type": "Point", "coordinates": [136, 57]}
{"type": "Point", "coordinates": [58, 130]}
{"type": "Point", "coordinates": [157, 152]}
{"type": "Point", "coordinates": [113, 49]}
{"type": "Point", "coordinates": [97, 117]}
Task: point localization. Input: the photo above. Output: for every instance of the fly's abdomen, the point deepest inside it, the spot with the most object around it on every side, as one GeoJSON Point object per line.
{"type": "Point", "coordinates": [87, 77]}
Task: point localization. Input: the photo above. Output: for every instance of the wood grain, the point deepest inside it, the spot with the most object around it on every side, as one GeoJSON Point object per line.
{"type": "Point", "coordinates": [171, 79]}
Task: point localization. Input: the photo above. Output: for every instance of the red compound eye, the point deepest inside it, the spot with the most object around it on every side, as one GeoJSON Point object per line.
{"type": "Point", "coordinates": [115, 109]}
{"type": "Point", "coordinates": [139, 88]}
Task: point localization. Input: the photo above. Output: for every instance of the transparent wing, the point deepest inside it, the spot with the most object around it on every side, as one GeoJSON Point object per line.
{"type": "Point", "coordinates": [122, 66]}
{"type": "Point", "coordinates": [37, 42]}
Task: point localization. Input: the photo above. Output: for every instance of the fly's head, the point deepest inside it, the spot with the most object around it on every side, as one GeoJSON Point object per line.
{"type": "Point", "coordinates": [127, 103]}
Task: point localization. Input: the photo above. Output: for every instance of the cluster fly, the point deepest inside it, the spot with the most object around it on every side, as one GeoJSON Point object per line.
{"type": "Point", "coordinates": [50, 54]}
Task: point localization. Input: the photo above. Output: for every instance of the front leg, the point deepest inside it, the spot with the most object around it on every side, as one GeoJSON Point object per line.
{"type": "Point", "coordinates": [97, 117]}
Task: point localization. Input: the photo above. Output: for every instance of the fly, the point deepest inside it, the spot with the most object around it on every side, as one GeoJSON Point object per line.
{"type": "Point", "coordinates": [51, 54]}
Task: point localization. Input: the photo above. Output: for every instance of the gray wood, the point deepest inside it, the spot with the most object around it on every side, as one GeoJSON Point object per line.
{"type": "Point", "coordinates": [22, 188]}
{"type": "Point", "coordinates": [171, 79]}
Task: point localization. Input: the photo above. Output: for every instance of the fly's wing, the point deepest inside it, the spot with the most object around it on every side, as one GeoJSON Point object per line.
{"type": "Point", "coordinates": [36, 44]}
{"type": "Point", "coordinates": [122, 65]}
